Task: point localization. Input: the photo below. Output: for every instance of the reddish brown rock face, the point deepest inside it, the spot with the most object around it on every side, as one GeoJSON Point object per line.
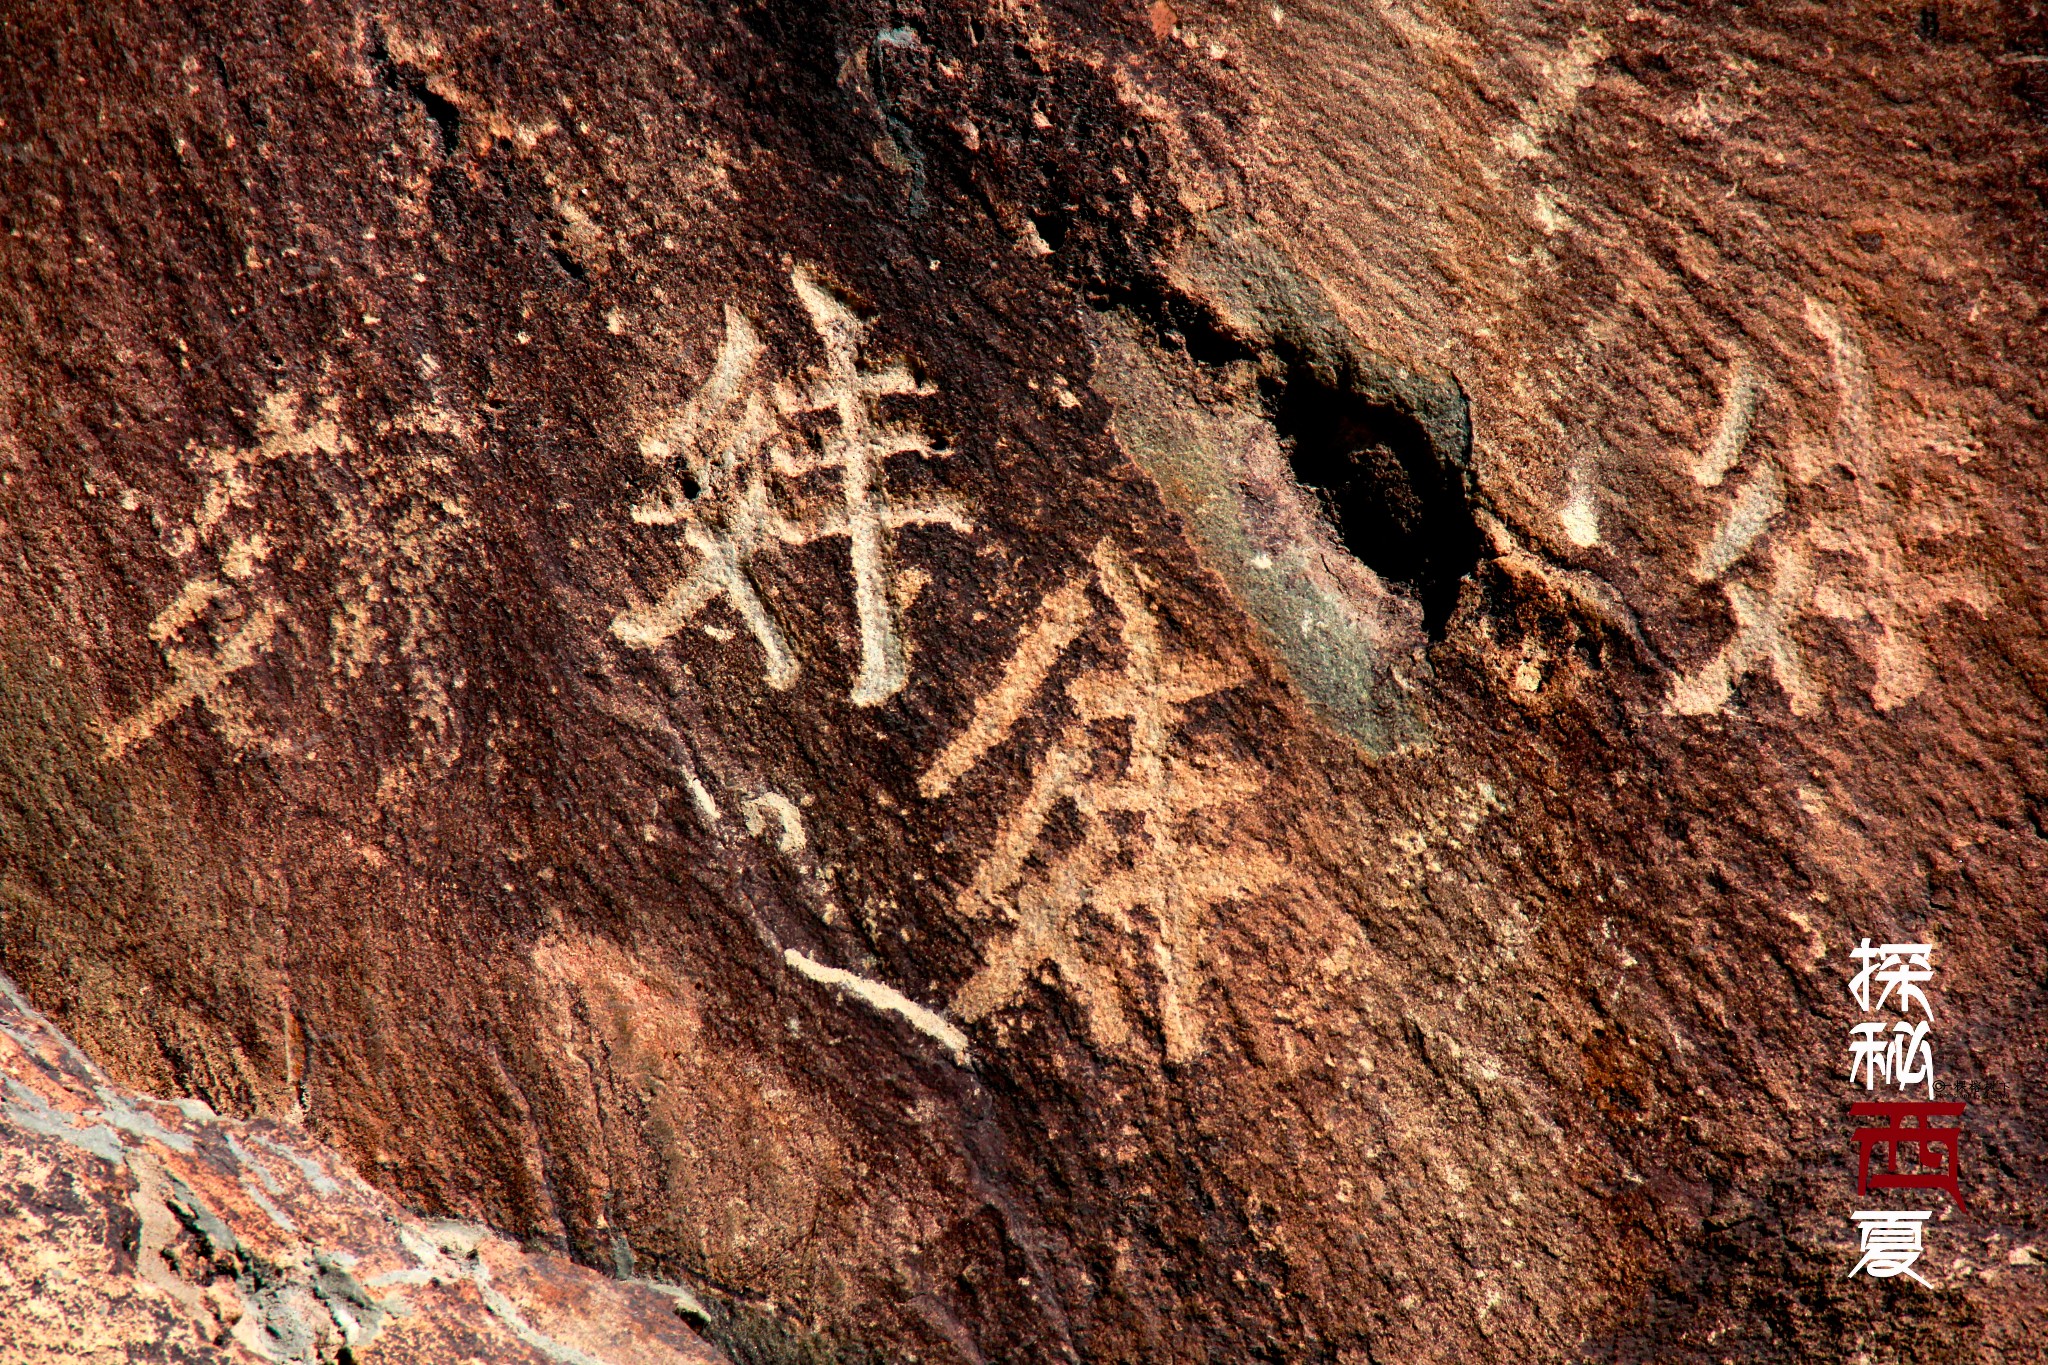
{"type": "Point", "coordinates": [1175, 683]}
{"type": "Point", "coordinates": [133, 1227]}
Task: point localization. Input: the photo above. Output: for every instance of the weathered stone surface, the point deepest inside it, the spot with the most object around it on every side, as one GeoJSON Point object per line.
{"type": "Point", "coordinates": [708, 633]}
{"type": "Point", "coordinates": [133, 1228]}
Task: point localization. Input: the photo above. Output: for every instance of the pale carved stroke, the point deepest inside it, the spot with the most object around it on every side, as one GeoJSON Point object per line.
{"type": "Point", "coordinates": [282, 429]}
{"type": "Point", "coordinates": [733, 438]}
{"type": "Point", "coordinates": [197, 676]}
{"type": "Point", "coordinates": [1763, 639]}
{"type": "Point", "coordinates": [1060, 619]}
{"type": "Point", "coordinates": [885, 998]}
{"type": "Point", "coordinates": [1886, 590]}
{"type": "Point", "coordinates": [1857, 570]}
{"type": "Point", "coordinates": [1731, 434]}
{"type": "Point", "coordinates": [1137, 867]}
{"type": "Point", "coordinates": [1751, 514]}
{"type": "Point", "coordinates": [858, 449]}
{"type": "Point", "coordinates": [791, 838]}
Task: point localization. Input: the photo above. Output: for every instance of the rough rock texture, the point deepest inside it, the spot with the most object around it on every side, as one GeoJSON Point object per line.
{"type": "Point", "coordinates": [133, 1228]}
{"type": "Point", "coordinates": [1052, 681]}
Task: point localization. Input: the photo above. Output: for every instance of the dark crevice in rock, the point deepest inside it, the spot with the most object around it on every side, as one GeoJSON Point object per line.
{"type": "Point", "coordinates": [571, 267]}
{"type": "Point", "coordinates": [446, 118]}
{"type": "Point", "coordinates": [1389, 473]}
{"type": "Point", "coordinates": [1371, 464]}
{"type": "Point", "coordinates": [1179, 322]}
{"type": "Point", "coordinates": [409, 81]}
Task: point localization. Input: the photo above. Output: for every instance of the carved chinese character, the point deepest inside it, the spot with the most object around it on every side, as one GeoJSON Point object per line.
{"type": "Point", "coordinates": [728, 453]}
{"type": "Point", "coordinates": [719, 499]}
{"type": "Point", "coordinates": [1138, 868]}
{"type": "Point", "coordinates": [1860, 570]}
{"type": "Point", "coordinates": [389, 529]}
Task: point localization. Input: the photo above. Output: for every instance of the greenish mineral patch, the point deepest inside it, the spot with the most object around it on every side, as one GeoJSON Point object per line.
{"type": "Point", "coordinates": [1337, 656]}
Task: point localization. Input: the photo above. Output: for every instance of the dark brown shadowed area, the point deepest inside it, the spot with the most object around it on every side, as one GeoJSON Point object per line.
{"type": "Point", "coordinates": [394, 746]}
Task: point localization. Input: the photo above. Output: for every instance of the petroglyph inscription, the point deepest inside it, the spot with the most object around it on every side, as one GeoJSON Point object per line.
{"type": "Point", "coordinates": [221, 622]}
{"type": "Point", "coordinates": [736, 473]}
{"type": "Point", "coordinates": [1846, 569]}
{"type": "Point", "coordinates": [723, 510]}
{"type": "Point", "coordinates": [390, 528]}
{"type": "Point", "coordinates": [1152, 860]}
{"type": "Point", "coordinates": [199, 675]}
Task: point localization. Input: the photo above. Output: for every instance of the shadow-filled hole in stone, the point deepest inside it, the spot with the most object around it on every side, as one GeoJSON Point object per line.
{"type": "Point", "coordinates": [1395, 504]}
